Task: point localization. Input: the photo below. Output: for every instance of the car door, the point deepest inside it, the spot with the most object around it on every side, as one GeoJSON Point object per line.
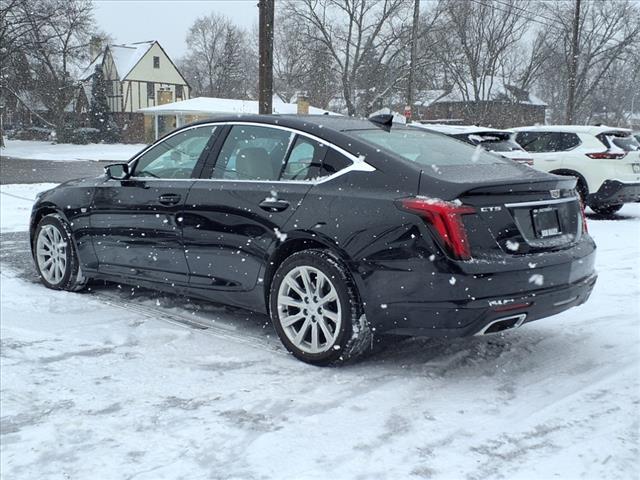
{"type": "Point", "coordinates": [136, 223]}
{"type": "Point", "coordinates": [251, 190]}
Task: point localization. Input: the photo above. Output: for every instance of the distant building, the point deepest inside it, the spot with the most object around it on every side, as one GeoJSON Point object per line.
{"type": "Point", "coordinates": [500, 105]}
{"type": "Point", "coordinates": [138, 75]}
{"type": "Point", "coordinates": [169, 116]}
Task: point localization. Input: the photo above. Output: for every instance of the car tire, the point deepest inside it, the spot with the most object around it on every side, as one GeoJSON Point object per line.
{"type": "Point", "coordinates": [605, 209]}
{"type": "Point", "coordinates": [55, 255]}
{"type": "Point", "coordinates": [316, 310]}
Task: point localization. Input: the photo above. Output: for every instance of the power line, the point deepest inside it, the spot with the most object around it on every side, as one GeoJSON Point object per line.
{"type": "Point", "coordinates": [478, 2]}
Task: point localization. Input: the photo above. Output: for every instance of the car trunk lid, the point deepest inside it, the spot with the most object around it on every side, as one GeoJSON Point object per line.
{"type": "Point", "coordinates": [527, 213]}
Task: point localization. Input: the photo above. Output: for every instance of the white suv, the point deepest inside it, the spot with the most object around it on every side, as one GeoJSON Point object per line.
{"type": "Point", "coordinates": [605, 160]}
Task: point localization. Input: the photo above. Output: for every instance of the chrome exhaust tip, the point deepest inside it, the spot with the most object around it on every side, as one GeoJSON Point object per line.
{"type": "Point", "coordinates": [504, 323]}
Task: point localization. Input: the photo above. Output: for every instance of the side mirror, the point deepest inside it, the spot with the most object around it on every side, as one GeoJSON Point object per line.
{"type": "Point", "coordinates": [117, 171]}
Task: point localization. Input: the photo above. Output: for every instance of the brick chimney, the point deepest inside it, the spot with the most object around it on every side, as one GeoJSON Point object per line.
{"type": "Point", "coordinates": [303, 104]}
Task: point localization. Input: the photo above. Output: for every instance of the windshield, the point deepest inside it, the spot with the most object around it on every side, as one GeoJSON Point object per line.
{"type": "Point", "coordinates": [425, 148]}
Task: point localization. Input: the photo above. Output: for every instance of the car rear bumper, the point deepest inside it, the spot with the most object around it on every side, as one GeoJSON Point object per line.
{"type": "Point", "coordinates": [614, 192]}
{"type": "Point", "coordinates": [418, 302]}
{"type": "Point", "coordinates": [475, 317]}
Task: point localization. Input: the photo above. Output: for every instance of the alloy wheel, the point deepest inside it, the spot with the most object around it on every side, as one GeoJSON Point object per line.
{"type": "Point", "coordinates": [51, 254]}
{"type": "Point", "coordinates": [309, 310]}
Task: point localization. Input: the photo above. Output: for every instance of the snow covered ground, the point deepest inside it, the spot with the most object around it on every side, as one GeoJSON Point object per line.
{"type": "Point", "coordinates": [120, 383]}
{"type": "Point", "coordinates": [16, 202]}
{"type": "Point", "coordinates": [34, 150]}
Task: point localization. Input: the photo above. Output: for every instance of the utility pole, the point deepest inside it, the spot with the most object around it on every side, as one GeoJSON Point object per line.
{"type": "Point", "coordinates": [573, 67]}
{"type": "Point", "coordinates": [414, 40]}
{"type": "Point", "coordinates": [265, 68]}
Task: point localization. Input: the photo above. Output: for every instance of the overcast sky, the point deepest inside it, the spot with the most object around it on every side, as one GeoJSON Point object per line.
{"type": "Point", "coordinates": [167, 21]}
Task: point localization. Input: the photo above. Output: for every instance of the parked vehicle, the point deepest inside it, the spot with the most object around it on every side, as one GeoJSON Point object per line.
{"type": "Point", "coordinates": [605, 160]}
{"type": "Point", "coordinates": [338, 228]}
{"type": "Point", "coordinates": [491, 139]}
{"type": "Point", "coordinates": [32, 133]}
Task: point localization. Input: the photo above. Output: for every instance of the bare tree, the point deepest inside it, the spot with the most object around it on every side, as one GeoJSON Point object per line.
{"type": "Point", "coordinates": [609, 32]}
{"type": "Point", "coordinates": [290, 57]}
{"type": "Point", "coordinates": [218, 57]}
{"type": "Point", "coordinates": [354, 32]}
{"type": "Point", "coordinates": [475, 42]}
{"type": "Point", "coordinates": [48, 38]}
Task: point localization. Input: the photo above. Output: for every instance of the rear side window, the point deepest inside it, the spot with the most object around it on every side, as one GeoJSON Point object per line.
{"type": "Point", "coordinates": [539, 142]}
{"type": "Point", "coordinates": [305, 160]}
{"type": "Point", "coordinates": [425, 148]}
{"type": "Point", "coordinates": [333, 162]}
{"type": "Point", "coordinates": [253, 153]}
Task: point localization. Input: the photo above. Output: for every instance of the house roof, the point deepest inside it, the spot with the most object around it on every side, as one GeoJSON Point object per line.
{"type": "Point", "coordinates": [125, 57]}
{"type": "Point", "coordinates": [209, 105]}
{"type": "Point", "coordinates": [493, 88]}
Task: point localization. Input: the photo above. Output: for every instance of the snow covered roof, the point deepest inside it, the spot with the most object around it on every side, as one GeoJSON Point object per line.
{"type": "Point", "coordinates": [209, 105]}
{"type": "Point", "coordinates": [31, 101]}
{"type": "Point", "coordinates": [459, 129]}
{"type": "Point", "coordinates": [592, 129]}
{"type": "Point", "coordinates": [493, 88]}
{"type": "Point", "coordinates": [125, 57]}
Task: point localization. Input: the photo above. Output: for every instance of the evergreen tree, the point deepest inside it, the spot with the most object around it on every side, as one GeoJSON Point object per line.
{"type": "Point", "coordinates": [99, 114]}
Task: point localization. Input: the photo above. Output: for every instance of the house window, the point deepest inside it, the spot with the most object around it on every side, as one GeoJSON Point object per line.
{"type": "Point", "coordinates": [151, 90]}
{"type": "Point", "coordinates": [179, 92]}
{"type": "Point", "coordinates": [156, 62]}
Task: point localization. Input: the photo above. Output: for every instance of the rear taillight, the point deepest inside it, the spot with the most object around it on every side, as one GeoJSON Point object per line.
{"type": "Point", "coordinates": [585, 228]}
{"type": "Point", "coordinates": [446, 220]}
{"type": "Point", "coordinates": [607, 155]}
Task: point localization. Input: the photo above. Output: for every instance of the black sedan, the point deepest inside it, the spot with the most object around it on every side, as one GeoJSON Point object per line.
{"type": "Point", "coordinates": [340, 229]}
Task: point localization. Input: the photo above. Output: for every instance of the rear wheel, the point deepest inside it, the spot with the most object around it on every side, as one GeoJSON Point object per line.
{"type": "Point", "coordinates": [55, 256]}
{"type": "Point", "coordinates": [316, 310]}
{"type": "Point", "coordinates": [605, 209]}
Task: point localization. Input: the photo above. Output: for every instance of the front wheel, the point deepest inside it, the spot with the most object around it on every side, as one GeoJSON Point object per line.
{"type": "Point", "coordinates": [55, 256]}
{"type": "Point", "coordinates": [605, 209]}
{"type": "Point", "coordinates": [316, 310]}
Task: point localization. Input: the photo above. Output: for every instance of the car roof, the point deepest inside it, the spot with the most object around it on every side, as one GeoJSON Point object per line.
{"type": "Point", "coordinates": [300, 122]}
{"type": "Point", "coordinates": [592, 129]}
{"type": "Point", "coordinates": [459, 129]}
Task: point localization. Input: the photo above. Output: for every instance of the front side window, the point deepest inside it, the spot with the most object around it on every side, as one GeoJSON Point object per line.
{"type": "Point", "coordinates": [151, 90]}
{"type": "Point", "coordinates": [426, 148]}
{"type": "Point", "coordinates": [156, 62]}
{"type": "Point", "coordinates": [175, 157]}
{"type": "Point", "coordinates": [253, 153]}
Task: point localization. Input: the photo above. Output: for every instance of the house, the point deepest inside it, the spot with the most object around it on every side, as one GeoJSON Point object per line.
{"type": "Point", "coordinates": [138, 75]}
{"type": "Point", "coordinates": [496, 103]}
{"type": "Point", "coordinates": [171, 115]}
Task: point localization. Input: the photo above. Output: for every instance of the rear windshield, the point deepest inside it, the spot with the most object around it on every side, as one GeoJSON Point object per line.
{"type": "Point", "coordinates": [426, 148]}
{"type": "Point", "coordinates": [495, 143]}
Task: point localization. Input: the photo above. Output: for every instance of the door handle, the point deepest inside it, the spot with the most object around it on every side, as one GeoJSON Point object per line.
{"type": "Point", "coordinates": [169, 199]}
{"type": "Point", "coordinates": [274, 205]}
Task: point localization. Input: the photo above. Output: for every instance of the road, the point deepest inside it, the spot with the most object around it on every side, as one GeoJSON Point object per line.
{"type": "Point", "coordinates": [17, 170]}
